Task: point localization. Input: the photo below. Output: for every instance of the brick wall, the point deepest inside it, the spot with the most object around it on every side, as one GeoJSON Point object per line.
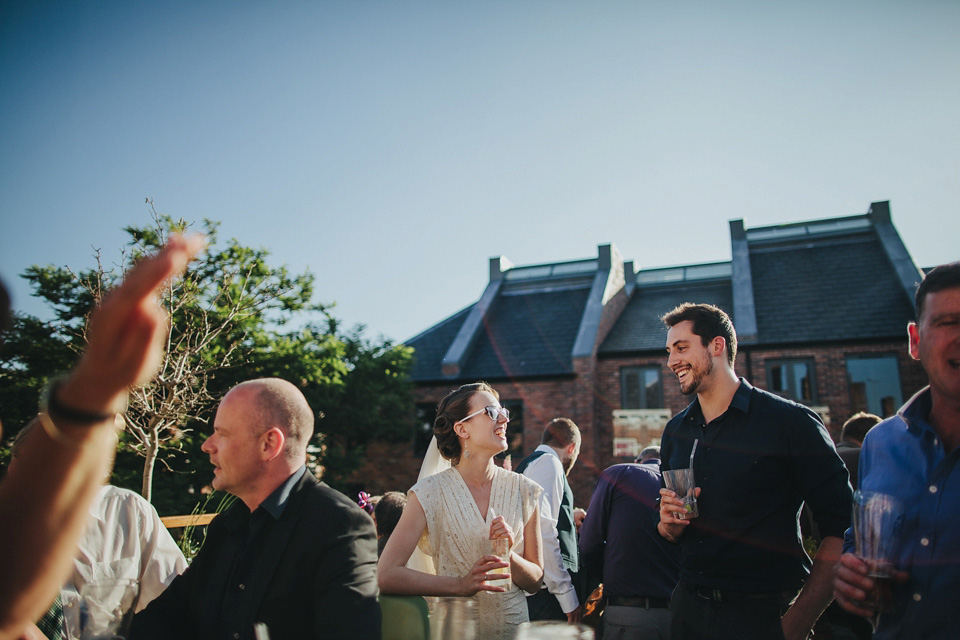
{"type": "Point", "coordinates": [590, 398]}
{"type": "Point", "coordinates": [830, 373]}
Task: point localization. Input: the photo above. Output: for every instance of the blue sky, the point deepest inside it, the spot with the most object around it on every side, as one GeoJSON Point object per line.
{"type": "Point", "coordinates": [394, 147]}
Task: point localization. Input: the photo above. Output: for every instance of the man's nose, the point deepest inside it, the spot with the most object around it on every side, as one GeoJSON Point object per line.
{"type": "Point", "coordinates": [206, 447]}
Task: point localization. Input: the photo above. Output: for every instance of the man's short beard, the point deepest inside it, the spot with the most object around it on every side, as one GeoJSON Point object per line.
{"type": "Point", "coordinates": [697, 378]}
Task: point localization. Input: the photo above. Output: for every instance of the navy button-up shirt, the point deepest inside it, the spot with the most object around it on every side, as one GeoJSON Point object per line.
{"type": "Point", "coordinates": [617, 543]}
{"type": "Point", "coordinates": [756, 464]}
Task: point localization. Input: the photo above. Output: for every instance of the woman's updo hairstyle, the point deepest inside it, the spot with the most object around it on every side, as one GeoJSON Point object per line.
{"type": "Point", "coordinates": [451, 410]}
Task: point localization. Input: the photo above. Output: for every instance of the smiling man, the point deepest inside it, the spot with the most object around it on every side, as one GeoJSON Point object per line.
{"type": "Point", "coordinates": [913, 456]}
{"type": "Point", "coordinates": [290, 553]}
{"type": "Point", "coordinates": [758, 458]}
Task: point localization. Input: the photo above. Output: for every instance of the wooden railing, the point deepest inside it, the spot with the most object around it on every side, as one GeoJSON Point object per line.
{"type": "Point", "coordinates": [192, 520]}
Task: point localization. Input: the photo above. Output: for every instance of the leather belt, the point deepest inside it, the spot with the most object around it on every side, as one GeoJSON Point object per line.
{"type": "Point", "coordinates": [724, 595]}
{"type": "Point", "coordinates": [642, 602]}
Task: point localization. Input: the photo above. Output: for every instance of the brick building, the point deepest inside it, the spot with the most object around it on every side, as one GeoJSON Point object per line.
{"type": "Point", "coordinates": [820, 308]}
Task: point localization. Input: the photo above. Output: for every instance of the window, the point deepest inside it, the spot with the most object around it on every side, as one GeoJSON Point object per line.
{"type": "Point", "coordinates": [640, 388]}
{"type": "Point", "coordinates": [423, 428]}
{"type": "Point", "coordinates": [792, 379]}
{"type": "Point", "coordinates": [514, 431]}
{"type": "Point", "coordinates": [874, 384]}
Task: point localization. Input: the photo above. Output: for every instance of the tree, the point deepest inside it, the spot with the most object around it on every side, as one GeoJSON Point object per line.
{"type": "Point", "coordinates": [230, 317]}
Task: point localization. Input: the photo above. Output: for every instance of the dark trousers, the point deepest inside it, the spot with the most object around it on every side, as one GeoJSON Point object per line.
{"type": "Point", "coordinates": [694, 617]}
{"type": "Point", "coordinates": [543, 605]}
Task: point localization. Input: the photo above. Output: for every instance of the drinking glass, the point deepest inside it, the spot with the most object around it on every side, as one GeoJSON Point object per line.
{"type": "Point", "coordinates": [554, 630]}
{"type": "Point", "coordinates": [453, 619]}
{"type": "Point", "coordinates": [499, 547]}
{"type": "Point", "coordinates": [876, 533]}
{"type": "Point", "coordinates": [106, 609]}
{"type": "Point", "coordinates": [681, 482]}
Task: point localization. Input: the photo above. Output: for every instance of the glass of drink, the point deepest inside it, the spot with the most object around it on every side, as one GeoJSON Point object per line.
{"type": "Point", "coordinates": [554, 630]}
{"type": "Point", "coordinates": [681, 482]}
{"type": "Point", "coordinates": [499, 547]}
{"type": "Point", "coordinates": [453, 618]}
{"type": "Point", "coordinates": [106, 609]}
{"type": "Point", "coordinates": [876, 533]}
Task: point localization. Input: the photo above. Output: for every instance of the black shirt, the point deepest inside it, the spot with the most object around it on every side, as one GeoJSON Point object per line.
{"type": "Point", "coordinates": [755, 464]}
{"type": "Point", "coordinates": [248, 533]}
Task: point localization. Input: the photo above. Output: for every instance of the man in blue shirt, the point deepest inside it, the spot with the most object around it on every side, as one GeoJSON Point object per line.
{"type": "Point", "coordinates": [760, 457]}
{"type": "Point", "coordinates": [638, 568]}
{"type": "Point", "coordinates": [913, 456]}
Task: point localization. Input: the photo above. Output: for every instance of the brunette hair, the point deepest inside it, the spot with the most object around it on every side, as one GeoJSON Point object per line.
{"type": "Point", "coordinates": [560, 432]}
{"type": "Point", "coordinates": [451, 410]}
{"type": "Point", "coordinates": [708, 323]}
{"type": "Point", "coordinates": [856, 427]}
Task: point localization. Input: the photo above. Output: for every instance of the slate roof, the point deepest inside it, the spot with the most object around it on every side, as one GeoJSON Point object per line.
{"type": "Point", "coordinates": [524, 334]}
{"type": "Point", "coordinates": [431, 345]}
{"type": "Point", "coordinates": [639, 328]}
{"type": "Point", "coordinates": [528, 335]}
{"type": "Point", "coordinates": [838, 288]}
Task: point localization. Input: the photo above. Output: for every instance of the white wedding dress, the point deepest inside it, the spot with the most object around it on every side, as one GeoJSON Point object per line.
{"type": "Point", "coordinates": [456, 530]}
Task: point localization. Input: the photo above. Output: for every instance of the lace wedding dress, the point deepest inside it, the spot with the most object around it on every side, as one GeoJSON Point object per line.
{"type": "Point", "coordinates": [456, 531]}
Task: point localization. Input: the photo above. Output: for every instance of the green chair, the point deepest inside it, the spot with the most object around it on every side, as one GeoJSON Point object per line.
{"type": "Point", "coordinates": [404, 618]}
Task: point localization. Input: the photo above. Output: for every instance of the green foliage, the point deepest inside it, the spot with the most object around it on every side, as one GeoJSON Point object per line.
{"type": "Point", "coordinates": [234, 317]}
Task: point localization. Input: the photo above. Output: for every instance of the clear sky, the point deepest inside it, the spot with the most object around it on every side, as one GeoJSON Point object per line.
{"type": "Point", "coordinates": [394, 147]}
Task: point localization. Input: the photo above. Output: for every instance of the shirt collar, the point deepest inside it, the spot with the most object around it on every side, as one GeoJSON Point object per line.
{"type": "Point", "coordinates": [276, 502]}
{"type": "Point", "coordinates": [96, 511]}
{"type": "Point", "coordinates": [548, 449]}
{"type": "Point", "coordinates": [740, 402]}
{"type": "Point", "coordinates": [915, 411]}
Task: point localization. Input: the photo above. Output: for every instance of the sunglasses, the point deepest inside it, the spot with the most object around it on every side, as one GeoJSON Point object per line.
{"type": "Point", "coordinates": [493, 412]}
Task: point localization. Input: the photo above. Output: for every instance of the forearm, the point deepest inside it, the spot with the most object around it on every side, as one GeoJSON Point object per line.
{"type": "Point", "coordinates": [526, 574]}
{"type": "Point", "coordinates": [817, 591]}
{"type": "Point", "coordinates": [48, 492]}
{"type": "Point", "coordinates": [404, 581]}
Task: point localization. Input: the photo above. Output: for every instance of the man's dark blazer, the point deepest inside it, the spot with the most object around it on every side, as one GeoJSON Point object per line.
{"type": "Point", "coordinates": [316, 577]}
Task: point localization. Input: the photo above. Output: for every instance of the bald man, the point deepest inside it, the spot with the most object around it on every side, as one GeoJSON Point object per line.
{"type": "Point", "coordinates": [291, 553]}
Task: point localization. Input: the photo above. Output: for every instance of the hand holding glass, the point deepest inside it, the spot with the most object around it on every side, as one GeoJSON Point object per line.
{"type": "Point", "coordinates": [876, 521]}
{"type": "Point", "coordinates": [681, 482]}
{"type": "Point", "coordinates": [499, 547]}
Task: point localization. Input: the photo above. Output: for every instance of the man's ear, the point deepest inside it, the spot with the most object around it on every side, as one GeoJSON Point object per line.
{"type": "Point", "coordinates": [913, 332]}
{"type": "Point", "coordinates": [271, 443]}
{"type": "Point", "coordinates": [717, 345]}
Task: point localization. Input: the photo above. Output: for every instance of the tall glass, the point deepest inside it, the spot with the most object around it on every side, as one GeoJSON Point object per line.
{"type": "Point", "coordinates": [453, 619]}
{"type": "Point", "coordinates": [554, 630]}
{"type": "Point", "coordinates": [681, 482]}
{"type": "Point", "coordinates": [499, 547]}
{"type": "Point", "coordinates": [876, 532]}
{"type": "Point", "coordinates": [106, 609]}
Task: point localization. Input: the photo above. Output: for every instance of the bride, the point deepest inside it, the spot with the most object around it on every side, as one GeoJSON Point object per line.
{"type": "Point", "coordinates": [452, 514]}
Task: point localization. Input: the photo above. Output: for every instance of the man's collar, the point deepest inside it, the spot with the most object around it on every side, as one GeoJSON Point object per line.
{"type": "Point", "coordinates": [548, 449]}
{"type": "Point", "coordinates": [276, 502]}
{"type": "Point", "coordinates": [741, 399]}
{"type": "Point", "coordinates": [740, 402]}
{"type": "Point", "coordinates": [916, 411]}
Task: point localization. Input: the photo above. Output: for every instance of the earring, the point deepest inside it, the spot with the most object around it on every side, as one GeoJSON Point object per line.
{"type": "Point", "coordinates": [466, 453]}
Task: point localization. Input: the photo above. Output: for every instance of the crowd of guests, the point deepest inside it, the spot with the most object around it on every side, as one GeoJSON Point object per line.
{"type": "Point", "coordinates": [293, 558]}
